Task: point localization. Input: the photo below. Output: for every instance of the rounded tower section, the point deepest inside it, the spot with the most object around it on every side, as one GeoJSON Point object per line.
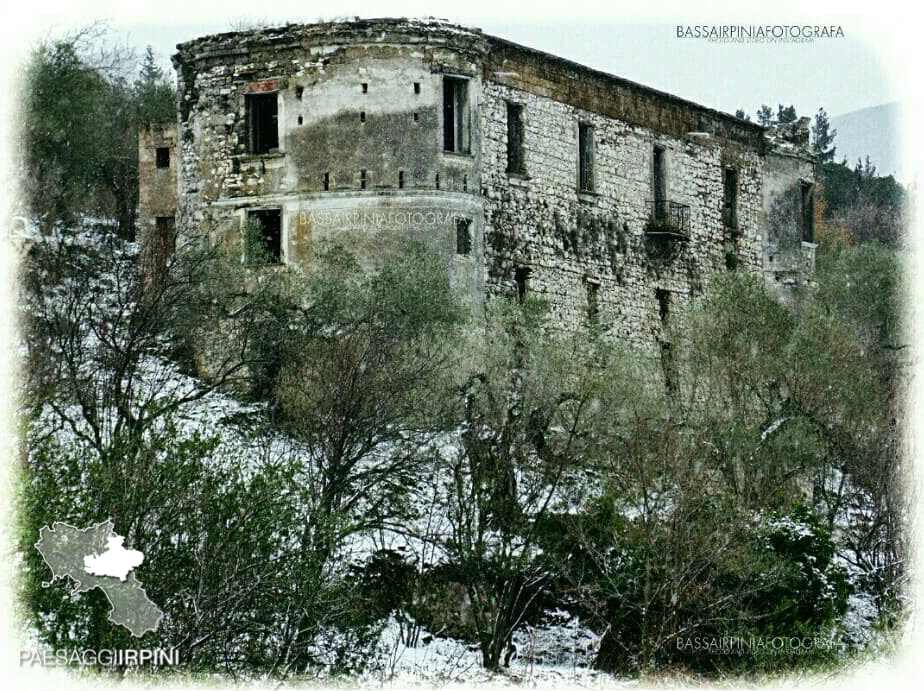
{"type": "Point", "coordinates": [362, 133]}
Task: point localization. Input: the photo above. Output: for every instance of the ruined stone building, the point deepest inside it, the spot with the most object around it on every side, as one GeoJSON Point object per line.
{"type": "Point", "coordinates": [157, 194]}
{"type": "Point", "coordinates": [530, 173]}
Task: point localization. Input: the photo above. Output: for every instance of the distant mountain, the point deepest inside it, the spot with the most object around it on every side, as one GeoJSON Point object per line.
{"type": "Point", "coordinates": [875, 132]}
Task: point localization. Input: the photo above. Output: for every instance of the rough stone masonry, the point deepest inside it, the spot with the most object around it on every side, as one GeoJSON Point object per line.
{"type": "Point", "coordinates": [531, 174]}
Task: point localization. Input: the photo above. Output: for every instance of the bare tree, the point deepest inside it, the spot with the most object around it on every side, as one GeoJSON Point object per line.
{"type": "Point", "coordinates": [525, 412]}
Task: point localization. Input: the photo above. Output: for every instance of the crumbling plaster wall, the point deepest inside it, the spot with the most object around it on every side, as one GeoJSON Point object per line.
{"type": "Point", "coordinates": [157, 192]}
{"type": "Point", "coordinates": [788, 261]}
{"type": "Point", "coordinates": [360, 166]}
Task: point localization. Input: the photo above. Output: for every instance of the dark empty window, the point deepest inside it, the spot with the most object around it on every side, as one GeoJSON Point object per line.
{"type": "Point", "coordinates": [664, 305]}
{"type": "Point", "coordinates": [163, 246]}
{"type": "Point", "coordinates": [659, 183]}
{"type": "Point", "coordinates": [585, 157]}
{"type": "Point", "coordinates": [730, 199]}
{"type": "Point", "coordinates": [166, 232]}
{"type": "Point", "coordinates": [416, 87]}
{"type": "Point", "coordinates": [455, 115]}
{"type": "Point", "coordinates": [593, 302]}
{"type": "Point", "coordinates": [808, 212]}
{"type": "Point", "coordinates": [263, 116]}
{"type": "Point", "coordinates": [365, 88]}
{"type": "Point", "coordinates": [521, 277]}
{"type": "Point", "coordinates": [362, 116]}
{"type": "Point", "coordinates": [463, 236]}
{"type": "Point", "coordinates": [264, 236]}
{"type": "Point", "coordinates": [400, 179]}
{"type": "Point", "coordinates": [362, 179]}
{"type": "Point", "coordinates": [162, 156]}
{"type": "Point", "coordinates": [668, 368]}
{"type": "Point", "coordinates": [326, 182]}
{"type": "Point", "coordinates": [515, 159]}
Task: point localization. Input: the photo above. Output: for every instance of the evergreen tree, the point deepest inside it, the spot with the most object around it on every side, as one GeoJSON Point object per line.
{"type": "Point", "coordinates": [81, 121]}
{"type": "Point", "coordinates": [863, 204]}
{"type": "Point", "coordinates": [155, 97]}
{"type": "Point", "coordinates": [786, 114]}
{"type": "Point", "coordinates": [864, 170]}
{"type": "Point", "coordinates": [823, 137]}
{"type": "Point", "coordinates": [765, 116]}
{"type": "Point", "coordinates": [741, 115]}
{"type": "Point", "coordinates": [64, 113]}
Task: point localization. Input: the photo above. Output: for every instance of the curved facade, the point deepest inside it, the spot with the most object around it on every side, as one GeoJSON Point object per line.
{"type": "Point", "coordinates": [339, 128]}
{"type": "Point", "coordinates": [530, 173]}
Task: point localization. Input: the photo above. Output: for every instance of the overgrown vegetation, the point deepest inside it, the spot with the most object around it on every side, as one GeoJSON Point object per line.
{"type": "Point", "coordinates": [749, 501]}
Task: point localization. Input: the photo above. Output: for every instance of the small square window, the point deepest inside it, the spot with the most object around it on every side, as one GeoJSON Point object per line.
{"type": "Point", "coordinates": [162, 156]}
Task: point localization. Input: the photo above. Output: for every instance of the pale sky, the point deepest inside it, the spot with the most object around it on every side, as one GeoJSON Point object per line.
{"type": "Point", "coordinates": [639, 43]}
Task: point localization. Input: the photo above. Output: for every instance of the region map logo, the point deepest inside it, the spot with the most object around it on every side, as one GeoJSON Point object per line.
{"type": "Point", "coordinates": [95, 557]}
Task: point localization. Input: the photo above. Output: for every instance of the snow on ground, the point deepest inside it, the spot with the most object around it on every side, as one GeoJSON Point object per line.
{"type": "Point", "coordinates": [862, 615]}
{"type": "Point", "coordinates": [559, 653]}
{"type": "Point", "coordinates": [550, 657]}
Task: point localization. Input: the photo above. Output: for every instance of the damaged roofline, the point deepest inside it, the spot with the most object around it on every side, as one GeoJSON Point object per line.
{"type": "Point", "coordinates": [271, 34]}
{"type": "Point", "coordinates": [622, 81]}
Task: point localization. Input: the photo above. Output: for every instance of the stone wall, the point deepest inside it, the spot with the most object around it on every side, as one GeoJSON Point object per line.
{"type": "Point", "coordinates": [361, 160]}
{"type": "Point", "coordinates": [575, 243]}
{"type": "Point", "coordinates": [157, 193]}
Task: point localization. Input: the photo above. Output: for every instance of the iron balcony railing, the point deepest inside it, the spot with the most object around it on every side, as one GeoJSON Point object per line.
{"type": "Point", "coordinates": [669, 218]}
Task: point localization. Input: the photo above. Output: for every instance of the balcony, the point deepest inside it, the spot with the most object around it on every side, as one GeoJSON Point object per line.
{"type": "Point", "coordinates": [669, 220]}
{"type": "Point", "coordinates": [667, 230]}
